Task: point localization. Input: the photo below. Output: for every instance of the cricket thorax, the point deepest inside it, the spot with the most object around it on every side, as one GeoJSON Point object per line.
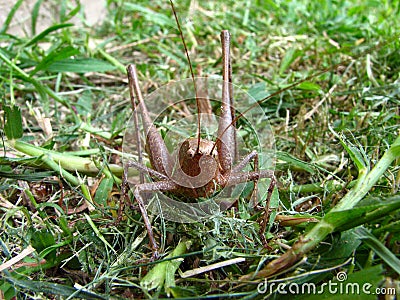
{"type": "Point", "coordinates": [195, 168]}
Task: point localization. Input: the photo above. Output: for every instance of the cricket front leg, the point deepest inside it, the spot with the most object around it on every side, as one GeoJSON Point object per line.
{"type": "Point", "coordinates": [124, 194]}
{"type": "Point", "coordinates": [265, 217]}
{"type": "Point", "coordinates": [240, 177]}
{"type": "Point", "coordinates": [161, 186]}
{"type": "Point", "coordinates": [252, 156]}
{"type": "Point", "coordinates": [125, 183]}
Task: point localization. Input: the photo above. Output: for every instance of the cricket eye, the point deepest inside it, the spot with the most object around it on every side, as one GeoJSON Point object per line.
{"type": "Point", "coordinates": [191, 152]}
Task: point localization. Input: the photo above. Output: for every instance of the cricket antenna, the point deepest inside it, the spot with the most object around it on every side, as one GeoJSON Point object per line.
{"type": "Point", "coordinates": [192, 74]}
{"type": "Point", "coordinates": [308, 78]}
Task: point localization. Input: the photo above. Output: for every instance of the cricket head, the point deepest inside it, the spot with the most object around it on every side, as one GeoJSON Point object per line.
{"type": "Point", "coordinates": [197, 159]}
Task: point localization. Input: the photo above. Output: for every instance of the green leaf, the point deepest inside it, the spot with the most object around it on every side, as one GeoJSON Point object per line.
{"type": "Point", "coordinates": [357, 155]}
{"type": "Point", "coordinates": [289, 58]}
{"type": "Point", "coordinates": [330, 255]}
{"type": "Point", "coordinates": [43, 90]}
{"type": "Point", "coordinates": [42, 239]}
{"type": "Point", "coordinates": [164, 271]}
{"type": "Point", "coordinates": [66, 17]}
{"type": "Point", "coordinates": [150, 15]}
{"type": "Point", "coordinates": [45, 32]}
{"type": "Point", "coordinates": [308, 86]}
{"type": "Point", "coordinates": [173, 266]}
{"type": "Point", "coordinates": [176, 56]}
{"type": "Point", "coordinates": [103, 191]}
{"type": "Point", "coordinates": [113, 61]}
{"type": "Point", "coordinates": [98, 233]}
{"type": "Point", "coordinates": [84, 105]}
{"type": "Point", "coordinates": [188, 292]}
{"type": "Point", "coordinates": [10, 16]}
{"type": "Point", "coordinates": [258, 91]}
{"type": "Point", "coordinates": [34, 176]}
{"type": "Point", "coordinates": [380, 249]}
{"type": "Point", "coordinates": [7, 289]}
{"type": "Point", "coordinates": [81, 65]}
{"type": "Point", "coordinates": [13, 122]}
{"type": "Point", "coordinates": [53, 289]}
{"type": "Point", "coordinates": [155, 278]}
{"type": "Point", "coordinates": [350, 218]}
{"type": "Point", "coordinates": [55, 55]}
{"type": "Point", "coordinates": [341, 249]}
{"type": "Point", "coordinates": [35, 15]}
{"type": "Point", "coordinates": [295, 162]}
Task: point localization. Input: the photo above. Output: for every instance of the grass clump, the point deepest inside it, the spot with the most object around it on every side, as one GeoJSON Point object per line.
{"type": "Point", "coordinates": [326, 75]}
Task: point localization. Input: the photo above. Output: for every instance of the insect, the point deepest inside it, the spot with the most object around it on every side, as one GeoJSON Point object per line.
{"type": "Point", "coordinates": [198, 167]}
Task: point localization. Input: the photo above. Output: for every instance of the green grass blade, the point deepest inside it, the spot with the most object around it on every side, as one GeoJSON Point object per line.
{"type": "Point", "coordinates": [10, 16]}
{"type": "Point", "coordinates": [366, 180]}
{"type": "Point", "coordinates": [35, 176]}
{"type": "Point", "coordinates": [357, 155]}
{"type": "Point", "coordinates": [380, 249]}
{"type": "Point", "coordinates": [13, 122]}
{"type": "Point", "coordinates": [46, 32]}
{"type": "Point", "coordinates": [289, 58]}
{"type": "Point", "coordinates": [69, 162]}
{"type": "Point", "coordinates": [43, 91]}
{"type": "Point", "coordinates": [41, 240]}
{"type": "Point", "coordinates": [81, 65]}
{"type": "Point", "coordinates": [54, 56]}
{"type": "Point", "coordinates": [150, 15]}
{"type": "Point", "coordinates": [53, 289]}
{"type": "Point", "coordinates": [35, 15]}
{"type": "Point", "coordinates": [113, 61]}
{"type": "Point", "coordinates": [98, 233]}
{"type": "Point", "coordinates": [346, 219]}
{"type": "Point", "coordinates": [64, 16]}
{"type": "Point", "coordinates": [294, 162]}
{"type": "Point", "coordinates": [103, 191]}
{"type": "Point", "coordinates": [172, 55]}
{"type": "Point", "coordinates": [309, 86]}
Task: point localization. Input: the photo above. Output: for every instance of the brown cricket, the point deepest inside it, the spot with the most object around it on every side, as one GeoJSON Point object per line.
{"type": "Point", "coordinates": [202, 166]}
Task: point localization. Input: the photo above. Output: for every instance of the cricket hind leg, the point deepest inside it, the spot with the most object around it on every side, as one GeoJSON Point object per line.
{"type": "Point", "coordinates": [252, 156]}
{"type": "Point", "coordinates": [162, 186]}
{"type": "Point", "coordinates": [264, 220]}
{"type": "Point", "coordinates": [239, 177]}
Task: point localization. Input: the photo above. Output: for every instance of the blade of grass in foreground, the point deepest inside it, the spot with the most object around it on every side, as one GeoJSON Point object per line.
{"type": "Point", "coordinates": [10, 16]}
{"type": "Point", "coordinates": [330, 223]}
{"type": "Point", "coordinates": [371, 241]}
{"type": "Point", "coordinates": [53, 288]}
{"type": "Point", "coordinates": [43, 90]}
